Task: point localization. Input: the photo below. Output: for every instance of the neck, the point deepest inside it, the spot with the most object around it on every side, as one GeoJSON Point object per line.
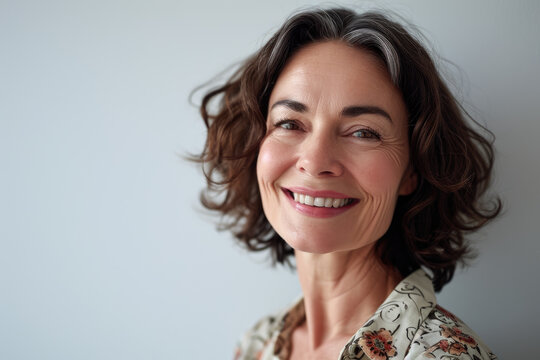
{"type": "Point", "coordinates": [341, 291]}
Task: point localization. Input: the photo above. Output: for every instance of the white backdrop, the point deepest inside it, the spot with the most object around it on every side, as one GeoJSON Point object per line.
{"type": "Point", "coordinates": [104, 252]}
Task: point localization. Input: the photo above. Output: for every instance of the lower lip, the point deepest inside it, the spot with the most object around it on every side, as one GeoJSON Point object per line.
{"type": "Point", "coordinates": [318, 212]}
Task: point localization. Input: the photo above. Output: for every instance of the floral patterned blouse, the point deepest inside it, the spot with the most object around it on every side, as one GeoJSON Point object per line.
{"type": "Point", "coordinates": [408, 325]}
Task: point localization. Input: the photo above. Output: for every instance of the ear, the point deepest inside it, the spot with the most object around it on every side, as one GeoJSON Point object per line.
{"type": "Point", "coordinates": [409, 181]}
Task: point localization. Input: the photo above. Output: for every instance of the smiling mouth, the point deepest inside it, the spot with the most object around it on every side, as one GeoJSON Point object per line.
{"type": "Point", "coordinates": [321, 202]}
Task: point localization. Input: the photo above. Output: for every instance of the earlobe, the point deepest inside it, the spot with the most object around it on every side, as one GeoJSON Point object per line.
{"type": "Point", "coordinates": [409, 182]}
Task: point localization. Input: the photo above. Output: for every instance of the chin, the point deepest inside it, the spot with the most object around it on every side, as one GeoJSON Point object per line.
{"type": "Point", "coordinates": [313, 244]}
{"type": "Point", "coordinates": [322, 241]}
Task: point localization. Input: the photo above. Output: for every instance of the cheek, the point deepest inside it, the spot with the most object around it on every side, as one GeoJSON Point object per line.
{"type": "Point", "coordinates": [271, 162]}
{"type": "Point", "coordinates": [271, 166]}
{"type": "Point", "coordinates": [381, 173]}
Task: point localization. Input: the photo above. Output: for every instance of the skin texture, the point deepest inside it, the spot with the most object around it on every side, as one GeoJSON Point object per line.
{"type": "Point", "coordinates": [322, 145]}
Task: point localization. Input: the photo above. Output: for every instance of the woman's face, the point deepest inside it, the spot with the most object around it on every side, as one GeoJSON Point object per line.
{"type": "Point", "coordinates": [335, 157]}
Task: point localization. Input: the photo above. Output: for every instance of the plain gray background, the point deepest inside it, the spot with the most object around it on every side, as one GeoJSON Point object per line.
{"type": "Point", "coordinates": [104, 252]}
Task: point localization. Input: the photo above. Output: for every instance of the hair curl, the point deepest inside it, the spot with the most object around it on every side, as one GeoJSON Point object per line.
{"type": "Point", "coordinates": [452, 158]}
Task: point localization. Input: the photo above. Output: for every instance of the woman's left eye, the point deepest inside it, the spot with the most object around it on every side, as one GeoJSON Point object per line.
{"type": "Point", "coordinates": [366, 134]}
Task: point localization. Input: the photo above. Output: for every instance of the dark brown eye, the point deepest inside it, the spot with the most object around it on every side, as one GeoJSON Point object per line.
{"type": "Point", "coordinates": [287, 125]}
{"type": "Point", "coordinates": [366, 134]}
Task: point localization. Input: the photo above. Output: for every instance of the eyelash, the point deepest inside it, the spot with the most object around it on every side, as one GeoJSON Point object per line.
{"type": "Point", "coordinates": [281, 123]}
{"type": "Point", "coordinates": [288, 124]}
{"type": "Point", "coordinates": [372, 133]}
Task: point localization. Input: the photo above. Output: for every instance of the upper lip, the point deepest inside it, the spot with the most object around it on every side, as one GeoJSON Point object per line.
{"type": "Point", "coordinates": [317, 193]}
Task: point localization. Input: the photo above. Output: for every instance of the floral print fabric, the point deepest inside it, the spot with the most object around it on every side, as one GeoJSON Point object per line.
{"type": "Point", "coordinates": [408, 325]}
{"type": "Point", "coordinates": [378, 345]}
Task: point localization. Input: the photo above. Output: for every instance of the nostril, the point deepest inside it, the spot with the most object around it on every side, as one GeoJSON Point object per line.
{"type": "Point", "coordinates": [326, 172]}
{"type": "Point", "coordinates": [319, 165]}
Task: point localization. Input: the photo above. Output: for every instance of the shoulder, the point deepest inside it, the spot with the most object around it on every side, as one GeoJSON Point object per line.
{"type": "Point", "coordinates": [443, 335]}
{"type": "Point", "coordinates": [260, 337]}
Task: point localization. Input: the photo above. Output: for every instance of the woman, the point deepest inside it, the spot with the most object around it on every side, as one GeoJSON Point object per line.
{"type": "Point", "coordinates": [338, 143]}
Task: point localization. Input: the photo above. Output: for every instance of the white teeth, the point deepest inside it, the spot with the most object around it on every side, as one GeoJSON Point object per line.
{"type": "Point", "coordinates": [319, 201]}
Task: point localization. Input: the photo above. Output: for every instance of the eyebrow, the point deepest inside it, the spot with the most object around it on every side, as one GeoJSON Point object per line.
{"type": "Point", "coordinates": [291, 104]}
{"type": "Point", "coordinates": [349, 111]}
{"type": "Point", "coordinates": [352, 111]}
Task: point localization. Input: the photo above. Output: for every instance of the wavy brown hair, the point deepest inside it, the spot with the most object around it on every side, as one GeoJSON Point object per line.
{"type": "Point", "coordinates": [451, 153]}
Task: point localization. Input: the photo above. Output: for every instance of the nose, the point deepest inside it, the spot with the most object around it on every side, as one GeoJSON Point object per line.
{"type": "Point", "coordinates": [319, 157]}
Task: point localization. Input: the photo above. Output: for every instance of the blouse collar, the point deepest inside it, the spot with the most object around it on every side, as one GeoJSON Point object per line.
{"type": "Point", "coordinates": [390, 330]}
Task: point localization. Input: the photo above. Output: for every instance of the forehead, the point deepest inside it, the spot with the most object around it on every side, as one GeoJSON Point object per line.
{"type": "Point", "coordinates": [338, 74]}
